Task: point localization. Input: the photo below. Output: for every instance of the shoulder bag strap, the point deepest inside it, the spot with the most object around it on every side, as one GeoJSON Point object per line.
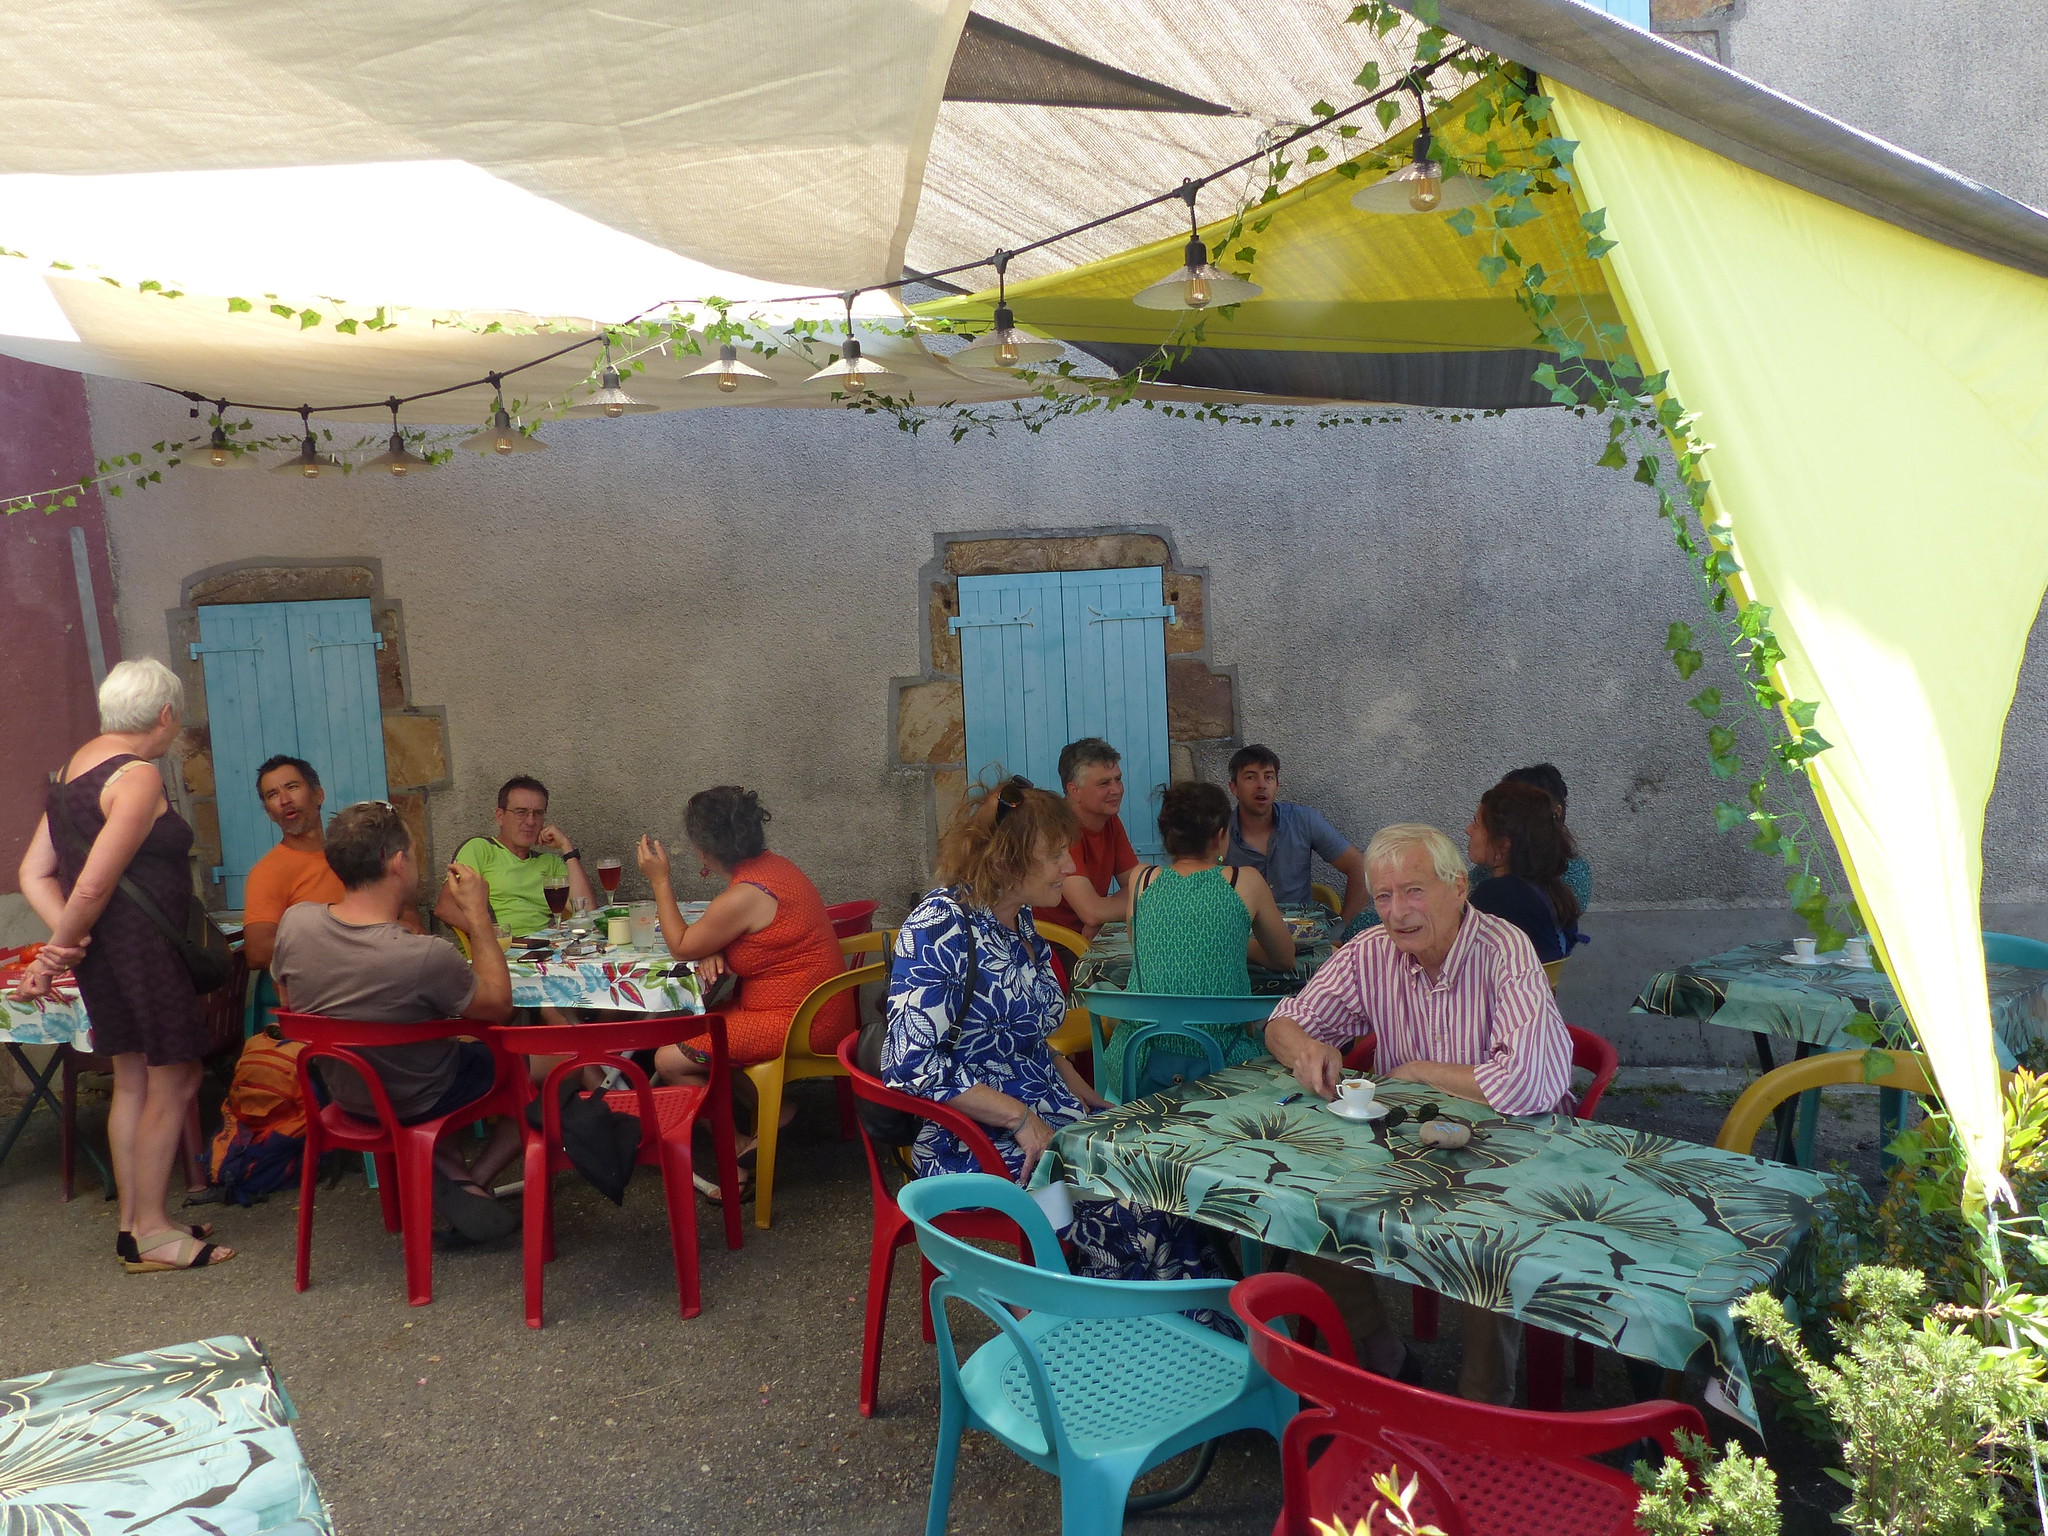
{"type": "Point", "coordinates": [1131, 926]}
{"type": "Point", "coordinates": [951, 1043]}
{"type": "Point", "coordinates": [126, 886]}
{"type": "Point", "coordinates": [1235, 871]}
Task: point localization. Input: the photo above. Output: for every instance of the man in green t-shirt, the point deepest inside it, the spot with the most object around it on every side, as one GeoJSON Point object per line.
{"type": "Point", "coordinates": [517, 863]}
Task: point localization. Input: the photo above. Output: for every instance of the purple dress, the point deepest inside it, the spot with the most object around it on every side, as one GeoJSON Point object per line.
{"type": "Point", "coordinates": [132, 982]}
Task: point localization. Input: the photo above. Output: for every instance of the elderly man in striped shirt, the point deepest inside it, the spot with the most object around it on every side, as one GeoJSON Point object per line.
{"type": "Point", "coordinates": [1458, 1002]}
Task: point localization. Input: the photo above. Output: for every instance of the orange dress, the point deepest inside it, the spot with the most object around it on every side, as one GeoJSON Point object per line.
{"type": "Point", "coordinates": [779, 966]}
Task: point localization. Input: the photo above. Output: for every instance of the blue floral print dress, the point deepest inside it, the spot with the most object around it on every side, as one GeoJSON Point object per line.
{"type": "Point", "coordinates": [1017, 1004]}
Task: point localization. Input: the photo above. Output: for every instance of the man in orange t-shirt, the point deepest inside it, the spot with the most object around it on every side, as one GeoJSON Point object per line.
{"type": "Point", "coordinates": [296, 869]}
{"type": "Point", "coordinates": [1092, 772]}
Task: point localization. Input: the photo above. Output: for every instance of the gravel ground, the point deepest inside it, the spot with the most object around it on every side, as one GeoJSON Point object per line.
{"type": "Point", "coordinates": [619, 1416]}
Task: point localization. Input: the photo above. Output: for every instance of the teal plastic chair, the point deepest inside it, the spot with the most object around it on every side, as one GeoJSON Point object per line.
{"type": "Point", "coordinates": [2011, 949]}
{"type": "Point", "coordinates": [1187, 1027]}
{"type": "Point", "coordinates": [1099, 1381]}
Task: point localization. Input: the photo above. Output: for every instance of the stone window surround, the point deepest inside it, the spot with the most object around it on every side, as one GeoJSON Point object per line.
{"type": "Point", "coordinates": [927, 724]}
{"type": "Point", "coordinates": [416, 751]}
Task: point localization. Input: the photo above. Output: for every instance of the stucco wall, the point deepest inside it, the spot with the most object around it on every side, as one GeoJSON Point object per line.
{"type": "Point", "coordinates": [658, 604]}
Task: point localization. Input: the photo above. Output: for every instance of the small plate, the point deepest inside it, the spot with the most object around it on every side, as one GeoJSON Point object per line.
{"type": "Point", "coordinates": [1794, 959]}
{"type": "Point", "coordinates": [1336, 1107]}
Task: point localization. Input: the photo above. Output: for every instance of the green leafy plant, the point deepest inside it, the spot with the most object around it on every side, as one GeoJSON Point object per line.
{"type": "Point", "coordinates": [1392, 1512]}
{"type": "Point", "coordinates": [1928, 1414]}
{"type": "Point", "coordinates": [1733, 1494]}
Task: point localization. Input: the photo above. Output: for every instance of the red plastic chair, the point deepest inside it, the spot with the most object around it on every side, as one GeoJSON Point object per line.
{"type": "Point", "coordinates": [1483, 1471]}
{"type": "Point", "coordinates": [1545, 1349]}
{"type": "Point", "coordinates": [404, 1154]}
{"type": "Point", "coordinates": [892, 1229]}
{"type": "Point", "coordinates": [221, 1012]}
{"type": "Point", "coordinates": [850, 917]}
{"type": "Point", "coordinates": [668, 1116]}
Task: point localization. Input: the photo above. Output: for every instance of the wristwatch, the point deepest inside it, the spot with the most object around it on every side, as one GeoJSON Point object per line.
{"type": "Point", "coordinates": [571, 854]}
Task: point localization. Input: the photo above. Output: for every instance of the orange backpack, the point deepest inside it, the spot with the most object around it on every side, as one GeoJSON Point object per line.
{"type": "Point", "coordinates": [263, 1097]}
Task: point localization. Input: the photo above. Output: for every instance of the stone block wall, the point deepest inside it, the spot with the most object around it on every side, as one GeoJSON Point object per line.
{"type": "Point", "coordinates": [929, 711]}
{"type": "Point", "coordinates": [416, 758]}
{"type": "Point", "coordinates": [1700, 25]}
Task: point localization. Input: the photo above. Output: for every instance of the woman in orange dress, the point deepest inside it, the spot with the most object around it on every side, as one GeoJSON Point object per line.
{"type": "Point", "coordinates": [768, 927]}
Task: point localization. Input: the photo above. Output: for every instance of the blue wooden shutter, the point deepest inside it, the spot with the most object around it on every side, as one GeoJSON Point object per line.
{"type": "Point", "coordinates": [293, 678]}
{"type": "Point", "coordinates": [334, 691]}
{"type": "Point", "coordinates": [1115, 650]}
{"type": "Point", "coordinates": [1634, 12]}
{"type": "Point", "coordinates": [1012, 676]}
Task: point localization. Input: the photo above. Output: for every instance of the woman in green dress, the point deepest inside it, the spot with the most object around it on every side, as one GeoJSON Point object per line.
{"type": "Point", "coordinates": [1195, 923]}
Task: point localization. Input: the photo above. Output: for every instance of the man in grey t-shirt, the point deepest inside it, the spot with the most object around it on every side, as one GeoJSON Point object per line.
{"type": "Point", "coordinates": [353, 960]}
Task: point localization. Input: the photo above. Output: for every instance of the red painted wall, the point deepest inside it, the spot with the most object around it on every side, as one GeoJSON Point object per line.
{"type": "Point", "coordinates": [46, 691]}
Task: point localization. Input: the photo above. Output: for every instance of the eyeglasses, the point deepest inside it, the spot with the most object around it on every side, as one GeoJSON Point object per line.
{"type": "Point", "coordinates": [386, 804]}
{"type": "Point", "coordinates": [519, 815]}
{"type": "Point", "coordinates": [1010, 796]}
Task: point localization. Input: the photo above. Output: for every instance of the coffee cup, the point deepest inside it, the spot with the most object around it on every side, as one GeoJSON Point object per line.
{"type": "Point", "coordinates": [1803, 948]}
{"type": "Point", "coordinates": [1857, 951]}
{"type": "Point", "coordinates": [1356, 1094]}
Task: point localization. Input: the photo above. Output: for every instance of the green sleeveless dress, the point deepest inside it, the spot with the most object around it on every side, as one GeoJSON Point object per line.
{"type": "Point", "coordinates": [1188, 938]}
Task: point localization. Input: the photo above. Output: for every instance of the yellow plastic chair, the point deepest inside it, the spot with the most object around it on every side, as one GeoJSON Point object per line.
{"type": "Point", "coordinates": [1762, 1098]}
{"type": "Point", "coordinates": [1553, 972]}
{"type": "Point", "coordinates": [1073, 1036]}
{"type": "Point", "coordinates": [798, 1061]}
{"type": "Point", "coordinates": [1328, 897]}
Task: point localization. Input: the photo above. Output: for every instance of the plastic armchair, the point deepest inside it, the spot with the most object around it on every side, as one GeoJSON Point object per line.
{"type": "Point", "coordinates": [1553, 972]}
{"type": "Point", "coordinates": [1326, 896]}
{"type": "Point", "coordinates": [668, 1116]}
{"type": "Point", "coordinates": [891, 1229]}
{"type": "Point", "coordinates": [2011, 949]}
{"type": "Point", "coordinates": [850, 917]}
{"type": "Point", "coordinates": [798, 1062]}
{"type": "Point", "coordinates": [1073, 1037]}
{"type": "Point", "coordinates": [1098, 1381]}
{"type": "Point", "coordinates": [403, 1154]}
{"type": "Point", "coordinates": [1738, 1131]}
{"type": "Point", "coordinates": [1206, 1019]}
{"type": "Point", "coordinates": [1481, 1469]}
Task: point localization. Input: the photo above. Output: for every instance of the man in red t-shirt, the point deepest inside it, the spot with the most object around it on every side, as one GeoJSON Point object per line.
{"type": "Point", "coordinates": [1092, 772]}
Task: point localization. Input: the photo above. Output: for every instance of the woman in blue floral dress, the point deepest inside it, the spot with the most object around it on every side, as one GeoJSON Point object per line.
{"type": "Point", "coordinates": [1006, 853]}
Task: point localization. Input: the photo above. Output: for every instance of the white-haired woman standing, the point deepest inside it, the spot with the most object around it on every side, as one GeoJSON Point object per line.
{"type": "Point", "coordinates": [108, 818]}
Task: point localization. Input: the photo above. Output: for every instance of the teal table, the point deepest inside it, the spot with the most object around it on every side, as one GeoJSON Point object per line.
{"type": "Point", "coordinates": [1629, 1240]}
{"type": "Point", "coordinates": [58, 1020]}
{"type": "Point", "coordinates": [189, 1441]}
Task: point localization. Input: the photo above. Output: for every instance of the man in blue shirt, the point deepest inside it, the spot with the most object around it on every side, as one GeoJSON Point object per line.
{"type": "Point", "coordinates": [1276, 837]}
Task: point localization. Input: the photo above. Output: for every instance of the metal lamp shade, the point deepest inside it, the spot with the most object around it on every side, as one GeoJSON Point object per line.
{"type": "Point", "coordinates": [1004, 346]}
{"type": "Point", "coordinates": [309, 463]}
{"type": "Point", "coordinates": [729, 374]}
{"type": "Point", "coordinates": [1197, 285]}
{"type": "Point", "coordinates": [501, 437]}
{"type": "Point", "coordinates": [399, 459]}
{"type": "Point", "coordinates": [610, 400]}
{"type": "Point", "coordinates": [1395, 193]}
{"type": "Point", "coordinates": [220, 453]}
{"type": "Point", "coordinates": [852, 373]}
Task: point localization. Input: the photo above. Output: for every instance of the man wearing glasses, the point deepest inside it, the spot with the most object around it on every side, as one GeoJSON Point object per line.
{"type": "Point", "coordinates": [528, 855]}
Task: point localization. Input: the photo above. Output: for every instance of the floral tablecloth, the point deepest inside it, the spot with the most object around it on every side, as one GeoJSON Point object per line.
{"type": "Point", "coordinates": [58, 1019]}
{"type": "Point", "coordinates": [1624, 1238]}
{"type": "Point", "coordinates": [1750, 988]}
{"type": "Point", "coordinates": [628, 980]}
{"type": "Point", "coordinates": [1108, 960]}
{"type": "Point", "coordinates": [189, 1441]}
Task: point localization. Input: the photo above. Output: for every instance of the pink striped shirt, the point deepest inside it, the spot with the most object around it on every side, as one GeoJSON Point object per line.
{"type": "Point", "coordinates": [1490, 1008]}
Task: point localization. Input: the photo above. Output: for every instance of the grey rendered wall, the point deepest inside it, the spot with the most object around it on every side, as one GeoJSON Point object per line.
{"type": "Point", "coordinates": [658, 604]}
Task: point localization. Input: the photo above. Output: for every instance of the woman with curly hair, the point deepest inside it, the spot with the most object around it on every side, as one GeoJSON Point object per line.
{"type": "Point", "coordinates": [986, 1055]}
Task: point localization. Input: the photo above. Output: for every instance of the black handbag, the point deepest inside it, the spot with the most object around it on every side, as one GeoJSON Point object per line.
{"type": "Point", "coordinates": [888, 1126]}
{"type": "Point", "coordinates": [202, 948]}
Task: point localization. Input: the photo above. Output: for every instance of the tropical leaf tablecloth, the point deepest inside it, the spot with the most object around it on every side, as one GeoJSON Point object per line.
{"type": "Point", "coordinates": [58, 1019]}
{"type": "Point", "coordinates": [1750, 988]}
{"type": "Point", "coordinates": [1108, 960]}
{"type": "Point", "coordinates": [1624, 1238]}
{"type": "Point", "coordinates": [189, 1441]}
{"type": "Point", "coordinates": [629, 980]}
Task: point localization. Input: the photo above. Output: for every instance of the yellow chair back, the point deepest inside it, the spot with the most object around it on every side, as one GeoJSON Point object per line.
{"type": "Point", "coordinates": [1328, 896]}
{"type": "Point", "coordinates": [1739, 1130]}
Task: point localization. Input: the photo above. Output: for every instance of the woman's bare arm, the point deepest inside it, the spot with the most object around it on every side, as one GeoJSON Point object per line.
{"type": "Point", "coordinates": [1272, 943]}
{"type": "Point", "coordinates": [131, 804]}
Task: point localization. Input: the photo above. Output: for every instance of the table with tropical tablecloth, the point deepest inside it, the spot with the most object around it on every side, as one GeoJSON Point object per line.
{"type": "Point", "coordinates": [624, 980]}
{"type": "Point", "coordinates": [1623, 1238]}
{"type": "Point", "coordinates": [180, 1441]}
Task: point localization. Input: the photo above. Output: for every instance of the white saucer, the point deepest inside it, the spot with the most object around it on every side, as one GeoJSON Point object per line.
{"type": "Point", "coordinates": [1336, 1107]}
{"type": "Point", "coordinates": [1794, 959]}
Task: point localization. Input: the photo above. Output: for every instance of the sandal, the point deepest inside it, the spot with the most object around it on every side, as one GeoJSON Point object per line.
{"type": "Point", "coordinates": [708, 1188]}
{"type": "Point", "coordinates": [472, 1210]}
{"type": "Point", "coordinates": [192, 1254]}
{"type": "Point", "coordinates": [126, 1251]}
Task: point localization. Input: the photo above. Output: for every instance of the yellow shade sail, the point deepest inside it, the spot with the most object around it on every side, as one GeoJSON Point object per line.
{"type": "Point", "coordinates": [1881, 450]}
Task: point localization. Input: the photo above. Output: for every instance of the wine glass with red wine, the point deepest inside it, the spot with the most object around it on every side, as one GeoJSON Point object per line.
{"type": "Point", "coordinates": [608, 872]}
{"type": "Point", "coordinates": [556, 889]}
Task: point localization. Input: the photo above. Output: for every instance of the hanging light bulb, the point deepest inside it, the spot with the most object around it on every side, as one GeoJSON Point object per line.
{"type": "Point", "coordinates": [610, 400]}
{"type": "Point", "coordinates": [399, 459]}
{"type": "Point", "coordinates": [501, 436]}
{"type": "Point", "coordinates": [1421, 186]}
{"type": "Point", "coordinates": [729, 373]}
{"type": "Point", "coordinates": [309, 463]}
{"type": "Point", "coordinates": [852, 372]}
{"type": "Point", "coordinates": [1003, 345]}
{"type": "Point", "coordinates": [220, 452]}
{"type": "Point", "coordinates": [1197, 285]}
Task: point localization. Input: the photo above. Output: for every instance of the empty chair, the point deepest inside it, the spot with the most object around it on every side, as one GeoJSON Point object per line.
{"type": "Point", "coordinates": [1482, 1471]}
{"type": "Point", "coordinates": [1097, 1381]}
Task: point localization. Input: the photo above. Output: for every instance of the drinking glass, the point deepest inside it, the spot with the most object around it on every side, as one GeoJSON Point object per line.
{"type": "Point", "coordinates": [558, 899]}
{"type": "Point", "coordinates": [608, 872]}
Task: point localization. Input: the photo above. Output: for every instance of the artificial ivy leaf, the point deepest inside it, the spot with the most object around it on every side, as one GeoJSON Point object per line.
{"type": "Point", "coordinates": [1802, 712]}
{"type": "Point", "coordinates": [1369, 77]}
{"type": "Point", "coordinates": [1491, 268]}
{"type": "Point", "coordinates": [1677, 637]}
{"type": "Point", "coordinates": [1480, 118]}
{"type": "Point", "coordinates": [1387, 111]}
{"type": "Point", "coordinates": [1315, 152]}
{"type": "Point", "coordinates": [1707, 701]}
{"type": "Point", "coordinates": [1687, 662]}
{"type": "Point", "coordinates": [1728, 816]}
{"type": "Point", "coordinates": [1724, 767]}
{"type": "Point", "coordinates": [1537, 108]}
{"type": "Point", "coordinates": [1654, 384]}
{"type": "Point", "coordinates": [1545, 375]}
{"type": "Point", "coordinates": [1349, 171]}
{"type": "Point", "coordinates": [1592, 223]}
{"type": "Point", "coordinates": [1463, 221]}
{"type": "Point", "coordinates": [239, 306]}
{"type": "Point", "coordinates": [1613, 458]}
{"type": "Point", "coordinates": [1766, 839]}
{"type": "Point", "coordinates": [1646, 469]}
{"type": "Point", "coordinates": [1322, 109]}
{"type": "Point", "coordinates": [284, 311]}
{"type": "Point", "coordinates": [1721, 740]}
{"type": "Point", "coordinates": [1802, 887]}
{"type": "Point", "coordinates": [1599, 246]}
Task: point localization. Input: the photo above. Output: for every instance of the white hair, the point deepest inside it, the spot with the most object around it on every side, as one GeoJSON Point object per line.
{"type": "Point", "coordinates": [1389, 843]}
{"type": "Point", "coordinates": [135, 694]}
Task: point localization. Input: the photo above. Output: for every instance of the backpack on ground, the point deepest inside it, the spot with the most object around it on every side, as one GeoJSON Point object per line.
{"type": "Point", "coordinates": [262, 1136]}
